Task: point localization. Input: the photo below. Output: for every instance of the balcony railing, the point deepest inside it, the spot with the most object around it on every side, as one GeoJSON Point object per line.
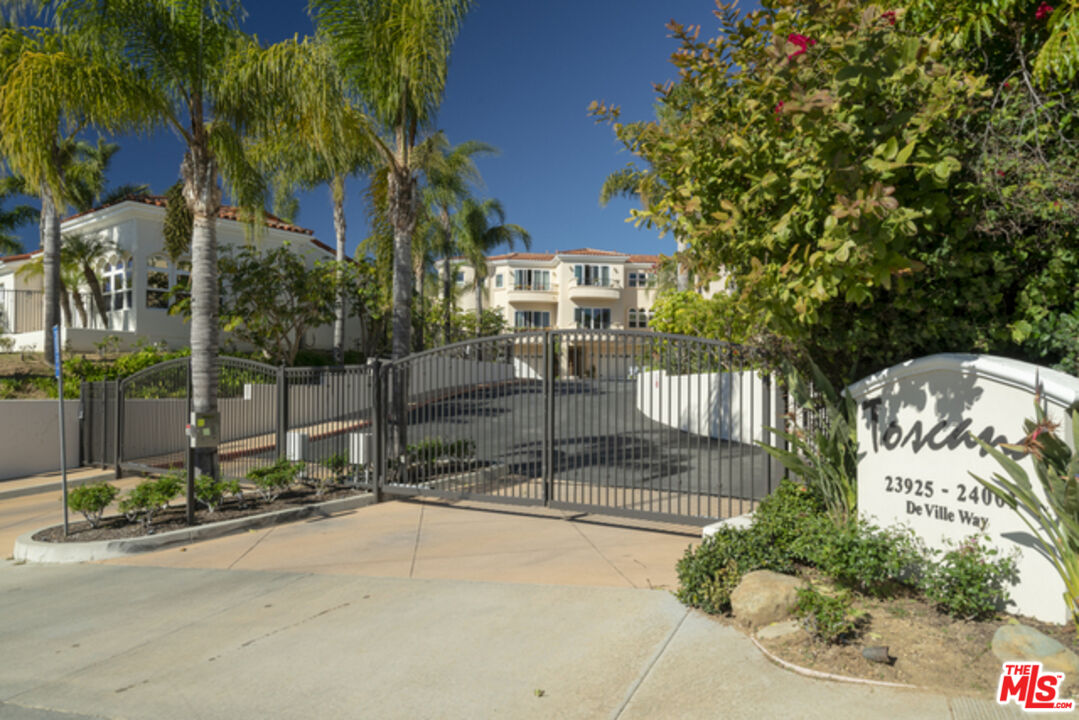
{"type": "Point", "coordinates": [597, 282]}
{"type": "Point", "coordinates": [533, 287]}
{"type": "Point", "coordinates": [23, 311]}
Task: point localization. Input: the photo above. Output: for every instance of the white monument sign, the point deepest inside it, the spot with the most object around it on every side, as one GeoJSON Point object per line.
{"type": "Point", "coordinates": [916, 427]}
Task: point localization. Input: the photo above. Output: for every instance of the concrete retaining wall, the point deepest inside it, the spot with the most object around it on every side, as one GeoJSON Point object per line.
{"type": "Point", "coordinates": [30, 437]}
{"type": "Point", "coordinates": [727, 406]}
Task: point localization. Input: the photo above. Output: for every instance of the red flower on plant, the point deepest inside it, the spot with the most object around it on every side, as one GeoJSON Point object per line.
{"type": "Point", "coordinates": [1044, 10]}
{"type": "Point", "coordinates": [803, 43]}
{"type": "Point", "coordinates": [1007, 85]}
{"type": "Point", "coordinates": [889, 16]}
{"type": "Point", "coordinates": [779, 107]}
{"type": "Point", "coordinates": [1000, 172]}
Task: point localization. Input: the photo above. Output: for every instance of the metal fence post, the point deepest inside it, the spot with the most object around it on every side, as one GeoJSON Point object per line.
{"type": "Point", "coordinates": [548, 417]}
{"type": "Point", "coordinates": [378, 424]}
{"type": "Point", "coordinates": [282, 412]}
{"type": "Point", "coordinates": [119, 428]}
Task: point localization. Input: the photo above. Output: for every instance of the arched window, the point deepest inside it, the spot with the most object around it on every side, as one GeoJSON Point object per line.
{"type": "Point", "coordinates": [116, 283]}
{"type": "Point", "coordinates": [161, 277]}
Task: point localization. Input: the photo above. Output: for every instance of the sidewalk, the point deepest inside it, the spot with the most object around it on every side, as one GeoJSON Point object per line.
{"type": "Point", "coordinates": [407, 609]}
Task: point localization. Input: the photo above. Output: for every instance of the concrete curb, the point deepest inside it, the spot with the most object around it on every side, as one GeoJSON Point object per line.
{"type": "Point", "coordinates": [53, 486]}
{"type": "Point", "coordinates": [29, 550]}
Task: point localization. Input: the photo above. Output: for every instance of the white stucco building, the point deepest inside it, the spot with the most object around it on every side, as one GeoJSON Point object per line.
{"type": "Point", "coordinates": [583, 288]}
{"type": "Point", "coordinates": [136, 276]}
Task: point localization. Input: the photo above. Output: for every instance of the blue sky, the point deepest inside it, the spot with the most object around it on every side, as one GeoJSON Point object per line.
{"type": "Point", "coordinates": [521, 78]}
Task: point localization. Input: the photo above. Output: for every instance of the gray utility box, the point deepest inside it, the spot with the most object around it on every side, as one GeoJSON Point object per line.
{"type": "Point", "coordinates": [204, 430]}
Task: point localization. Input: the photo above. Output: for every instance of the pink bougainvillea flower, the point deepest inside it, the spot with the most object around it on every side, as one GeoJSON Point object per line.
{"type": "Point", "coordinates": [889, 16]}
{"type": "Point", "coordinates": [1000, 172]}
{"type": "Point", "coordinates": [779, 107]}
{"type": "Point", "coordinates": [1044, 10]}
{"type": "Point", "coordinates": [803, 43]}
{"type": "Point", "coordinates": [1007, 85]}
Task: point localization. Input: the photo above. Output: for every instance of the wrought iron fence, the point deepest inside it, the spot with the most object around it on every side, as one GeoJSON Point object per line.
{"type": "Point", "coordinates": [623, 422]}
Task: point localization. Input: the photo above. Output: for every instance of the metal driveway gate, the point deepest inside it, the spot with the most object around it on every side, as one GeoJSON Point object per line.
{"type": "Point", "coordinates": [621, 422]}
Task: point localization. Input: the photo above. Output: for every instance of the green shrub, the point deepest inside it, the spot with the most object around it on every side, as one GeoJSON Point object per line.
{"type": "Point", "coordinates": [337, 463]}
{"type": "Point", "coordinates": [437, 448]}
{"type": "Point", "coordinates": [873, 561]}
{"type": "Point", "coordinates": [212, 492]}
{"type": "Point", "coordinates": [148, 497]}
{"type": "Point", "coordinates": [794, 521]}
{"type": "Point", "coordinates": [968, 582]}
{"type": "Point", "coordinates": [827, 618]}
{"type": "Point", "coordinates": [91, 500]}
{"type": "Point", "coordinates": [272, 480]}
{"type": "Point", "coordinates": [825, 454]}
{"type": "Point", "coordinates": [708, 574]}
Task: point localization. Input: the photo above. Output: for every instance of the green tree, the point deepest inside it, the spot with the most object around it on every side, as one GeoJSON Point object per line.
{"type": "Point", "coordinates": [395, 55]}
{"type": "Point", "coordinates": [51, 88]}
{"type": "Point", "coordinates": [180, 50]}
{"type": "Point", "coordinates": [483, 227]}
{"type": "Point", "coordinates": [317, 134]}
{"type": "Point", "coordinates": [15, 217]}
{"type": "Point", "coordinates": [872, 193]}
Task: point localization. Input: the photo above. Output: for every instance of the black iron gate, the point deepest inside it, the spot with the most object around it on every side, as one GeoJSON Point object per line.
{"type": "Point", "coordinates": [623, 422]}
{"type": "Point", "coordinates": [631, 423]}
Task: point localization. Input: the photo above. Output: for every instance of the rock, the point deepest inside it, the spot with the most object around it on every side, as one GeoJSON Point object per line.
{"type": "Point", "coordinates": [779, 629]}
{"type": "Point", "coordinates": [1020, 642]}
{"type": "Point", "coordinates": [764, 597]}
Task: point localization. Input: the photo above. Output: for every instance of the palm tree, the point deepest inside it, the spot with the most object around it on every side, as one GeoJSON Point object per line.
{"type": "Point", "coordinates": [50, 88]}
{"type": "Point", "coordinates": [86, 252]}
{"type": "Point", "coordinates": [479, 236]}
{"type": "Point", "coordinates": [632, 182]}
{"type": "Point", "coordinates": [395, 55]}
{"type": "Point", "coordinates": [11, 220]}
{"type": "Point", "coordinates": [180, 49]}
{"type": "Point", "coordinates": [316, 136]}
{"type": "Point", "coordinates": [450, 173]}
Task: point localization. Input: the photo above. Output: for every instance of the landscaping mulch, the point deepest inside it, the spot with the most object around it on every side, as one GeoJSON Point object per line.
{"type": "Point", "coordinates": [115, 527]}
{"type": "Point", "coordinates": [931, 650]}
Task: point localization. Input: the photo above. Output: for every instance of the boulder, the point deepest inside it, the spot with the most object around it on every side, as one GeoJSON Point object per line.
{"type": "Point", "coordinates": [1020, 642]}
{"type": "Point", "coordinates": [765, 597]}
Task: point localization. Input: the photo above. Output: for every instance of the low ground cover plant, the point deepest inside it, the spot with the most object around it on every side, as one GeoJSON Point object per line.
{"type": "Point", "coordinates": [829, 618]}
{"type": "Point", "coordinates": [211, 493]}
{"type": "Point", "coordinates": [150, 497]}
{"type": "Point", "coordinates": [92, 500]}
{"type": "Point", "coordinates": [272, 480]}
{"type": "Point", "coordinates": [968, 581]}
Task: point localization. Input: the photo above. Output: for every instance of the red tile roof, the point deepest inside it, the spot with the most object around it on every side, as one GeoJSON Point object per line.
{"type": "Point", "coordinates": [653, 259]}
{"type": "Point", "coordinates": [589, 251]}
{"type": "Point", "coordinates": [227, 212]}
{"type": "Point", "coordinates": [521, 256]}
{"type": "Point", "coordinates": [21, 256]}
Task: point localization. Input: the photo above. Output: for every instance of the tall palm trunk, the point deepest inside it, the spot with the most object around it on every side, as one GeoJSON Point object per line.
{"type": "Point", "coordinates": [402, 196]}
{"type": "Point", "coordinates": [80, 308]}
{"type": "Point", "coordinates": [199, 171]}
{"type": "Point", "coordinates": [447, 295]}
{"type": "Point", "coordinates": [338, 192]}
{"type": "Point", "coordinates": [479, 305]}
{"type": "Point", "coordinates": [419, 340]}
{"type": "Point", "coordinates": [50, 243]}
{"type": "Point", "coordinates": [95, 292]}
{"type": "Point", "coordinates": [65, 304]}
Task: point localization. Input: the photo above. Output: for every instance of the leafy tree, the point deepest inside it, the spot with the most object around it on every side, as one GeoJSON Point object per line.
{"type": "Point", "coordinates": [854, 180]}
{"type": "Point", "coordinates": [14, 218]}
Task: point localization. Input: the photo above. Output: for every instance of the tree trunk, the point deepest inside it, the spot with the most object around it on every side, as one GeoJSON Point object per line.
{"type": "Point", "coordinates": [49, 227]}
{"type": "Point", "coordinates": [80, 308]}
{"type": "Point", "coordinates": [479, 304]}
{"type": "Point", "coordinates": [402, 201]}
{"type": "Point", "coordinates": [65, 303]}
{"type": "Point", "coordinates": [683, 273]}
{"type": "Point", "coordinates": [338, 192]}
{"type": "Point", "coordinates": [98, 296]}
{"type": "Point", "coordinates": [203, 196]}
{"type": "Point", "coordinates": [418, 342]}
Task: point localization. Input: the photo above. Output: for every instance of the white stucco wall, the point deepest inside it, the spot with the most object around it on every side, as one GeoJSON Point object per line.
{"type": "Point", "coordinates": [727, 406]}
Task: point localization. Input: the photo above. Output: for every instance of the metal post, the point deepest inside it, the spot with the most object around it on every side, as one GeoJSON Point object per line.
{"type": "Point", "coordinates": [548, 419]}
{"type": "Point", "coordinates": [282, 412]}
{"type": "Point", "coordinates": [378, 416]}
{"type": "Point", "coordinates": [190, 494]}
{"type": "Point", "coordinates": [118, 453]}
